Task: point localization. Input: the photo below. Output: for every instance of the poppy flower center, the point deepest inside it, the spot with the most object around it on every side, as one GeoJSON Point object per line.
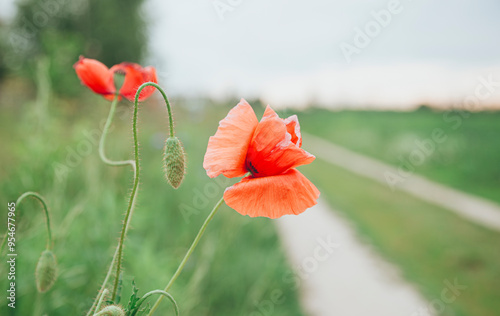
{"type": "Point", "coordinates": [250, 167]}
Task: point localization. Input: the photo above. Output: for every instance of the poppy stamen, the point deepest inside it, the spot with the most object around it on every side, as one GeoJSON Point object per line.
{"type": "Point", "coordinates": [252, 170]}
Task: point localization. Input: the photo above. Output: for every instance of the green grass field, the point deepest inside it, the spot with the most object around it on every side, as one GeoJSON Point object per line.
{"type": "Point", "coordinates": [468, 159]}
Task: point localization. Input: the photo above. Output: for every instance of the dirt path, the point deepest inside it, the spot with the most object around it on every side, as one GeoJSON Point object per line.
{"type": "Point", "coordinates": [473, 208]}
{"type": "Point", "coordinates": [339, 275]}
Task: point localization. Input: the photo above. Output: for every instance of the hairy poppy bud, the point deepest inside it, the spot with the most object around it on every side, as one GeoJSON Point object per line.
{"type": "Point", "coordinates": [111, 310]}
{"type": "Point", "coordinates": [174, 162]}
{"type": "Point", "coordinates": [46, 271]}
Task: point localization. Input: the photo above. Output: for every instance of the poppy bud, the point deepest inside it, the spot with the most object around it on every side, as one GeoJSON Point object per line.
{"type": "Point", "coordinates": [174, 162]}
{"type": "Point", "coordinates": [46, 271]}
{"type": "Point", "coordinates": [111, 310]}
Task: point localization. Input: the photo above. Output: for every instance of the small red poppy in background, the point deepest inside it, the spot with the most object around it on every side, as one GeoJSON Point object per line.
{"type": "Point", "coordinates": [270, 150]}
{"type": "Point", "coordinates": [98, 78]}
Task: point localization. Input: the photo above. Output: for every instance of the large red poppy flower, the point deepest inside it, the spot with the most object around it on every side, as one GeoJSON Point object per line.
{"type": "Point", "coordinates": [98, 78]}
{"type": "Point", "coordinates": [270, 150]}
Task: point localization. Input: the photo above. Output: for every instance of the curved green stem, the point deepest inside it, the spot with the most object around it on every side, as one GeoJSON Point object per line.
{"type": "Point", "coordinates": [167, 295]}
{"type": "Point", "coordinates": [101, 299]}
{"type": "Point", "coordinates": [102, 141]}
{"type": "Point", "coordinates": [47, 218]}
{"type": "Point", "coordinates": [169, 109]}
{"type": "Point", "coordinates": [46, 210]}
{"type": "Point", "coordinates": [188, 253]}
{"type": "Point", "coordinates": [136, 178]}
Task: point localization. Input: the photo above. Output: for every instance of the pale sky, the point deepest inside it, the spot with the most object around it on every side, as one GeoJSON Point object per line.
{"type": "Point", "coordinates": [288, 52]}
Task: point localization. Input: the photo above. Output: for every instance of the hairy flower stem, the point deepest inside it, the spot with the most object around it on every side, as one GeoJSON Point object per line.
{"type": "Point", "coordinates": [136, 177]}
{"type": "Point", "coordinates": [132, 198]}
{"type": "Point", "coordinates": [47, 218]}
{"type": "Point", "coordinates": [101, 299]}
{"type": "Point", "coordinates": [188, 253]}
{"type": "Point", "coordinates": [134, 164]}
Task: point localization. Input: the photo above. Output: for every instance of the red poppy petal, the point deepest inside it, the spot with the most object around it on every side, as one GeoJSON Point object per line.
{"type": "Point", "coordinates": [293, 128]}
{"type": "Point", "coordinates": [273, 197]}
{"type": "Point", "coordinates": [269, 113]}
{"type": "Point", "coordinates": [95, 75]}
{"type": "Point", "coordinates": [149, 75]}
{"type": "Point", "coordinates": [227, 149]}
{"type": "Point", "coordinates": [292, 125]}
{"type": "Point", "coordinates": [271, 150]}
{"type": "Point", "coordinates": [135, 76]}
